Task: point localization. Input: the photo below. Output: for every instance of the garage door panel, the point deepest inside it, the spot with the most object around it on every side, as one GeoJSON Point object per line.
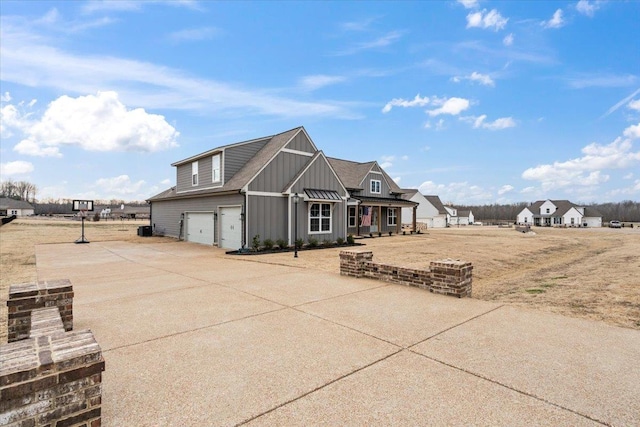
{"type": "Point", "coordinates": [200, 227]}
{"type": "Point", "coordinates": [230, 228]}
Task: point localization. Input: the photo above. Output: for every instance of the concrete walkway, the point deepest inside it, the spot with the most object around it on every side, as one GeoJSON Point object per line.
{"type": "Point", "coordinates": [194, 337]}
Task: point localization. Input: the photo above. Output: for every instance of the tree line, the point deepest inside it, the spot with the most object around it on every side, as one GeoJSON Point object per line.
{"type": "Point", "coordinates": [627, 210]}
{"type": "Point", "coordinates": [18, 190]}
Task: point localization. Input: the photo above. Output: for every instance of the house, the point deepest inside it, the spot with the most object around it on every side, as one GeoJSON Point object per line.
{"type": "Point", "coordinates": [456, 216]}
{"type": "Point", "coordinates": [375, 201]}
{"type": "Point", "coordinates": [430, 210]}
{"type": "Point", "coordinates": [279, 187]}
{"type": "Point", "coordinates": [9, 207]}
{"type": "Point", "coordinates": [559, 213]}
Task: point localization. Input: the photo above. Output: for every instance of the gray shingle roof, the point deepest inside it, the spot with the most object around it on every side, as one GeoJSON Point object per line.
{"type": "Point", "coordinates": [437, 203]}
{"type": "Point", "coordinates": [353, 173]}
{"type": "Point", "coordinates": [7, 203]}
{"type": "Point", "coordinates": [246, 173]}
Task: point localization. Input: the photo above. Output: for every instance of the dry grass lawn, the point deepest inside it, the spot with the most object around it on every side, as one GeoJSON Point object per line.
{"type": "Point", "coordinates": [589, 273]}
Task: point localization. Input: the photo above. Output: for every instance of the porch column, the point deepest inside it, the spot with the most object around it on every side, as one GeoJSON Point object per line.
{"type": "Point", "coordinates": [379, 219]}
{"type": "Point", "coordinates": [358, 219]}
{"type": "Point", "coordinates": [398, 219]}
{"type": "Point", "coordinates": [415, 218]}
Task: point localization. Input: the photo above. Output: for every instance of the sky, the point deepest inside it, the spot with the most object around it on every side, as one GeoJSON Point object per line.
{"type": "Point", "coordinates": [478, 102]}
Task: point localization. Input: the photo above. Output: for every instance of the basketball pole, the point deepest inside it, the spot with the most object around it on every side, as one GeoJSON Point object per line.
{"type": "Point", "coordinates": [82, 239]}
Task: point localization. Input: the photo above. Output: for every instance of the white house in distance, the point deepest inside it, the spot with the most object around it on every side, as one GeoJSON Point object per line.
{"type": "Point", "coordinates": [559, 213]}
{"type": "Point", "coordinates": [459, 217]}
{"type": "Point", "coordinates": [430, 209]}
{"type": "Point", "coordinates": [9, 207]}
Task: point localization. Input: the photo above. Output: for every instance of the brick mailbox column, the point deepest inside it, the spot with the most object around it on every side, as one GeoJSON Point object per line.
{"type": "Point", "coordinates": [351, 262]}
{"type": "Point", "coordinates": [451, 277]}
{"type": "Point", "coordinates": [24, 298]}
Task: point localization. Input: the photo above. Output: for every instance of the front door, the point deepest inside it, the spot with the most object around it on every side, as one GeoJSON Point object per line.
{"type": "Point", "coordinates": [374, 221]}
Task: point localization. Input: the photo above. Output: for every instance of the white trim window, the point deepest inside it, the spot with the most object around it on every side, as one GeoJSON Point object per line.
{"type": "Point", "coordinates": [352, 216]}
{"type": "Point", "coordinates": [320, 218]}
{"type": "Point", "coordinates": [376, 186]}
{"type": "Point", "coordinates": [194, 173]}
{"type": "Point", "coordinates": [216, 175]}
{"type": "Point", "coordinates": [392, 217]}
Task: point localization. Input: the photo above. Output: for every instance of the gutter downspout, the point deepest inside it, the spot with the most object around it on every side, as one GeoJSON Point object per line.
{"type": "Point", "coordinates": [243, 217]}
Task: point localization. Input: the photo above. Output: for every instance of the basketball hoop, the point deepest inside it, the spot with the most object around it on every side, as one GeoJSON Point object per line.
{"type": "Point", "coordinates": [82, 206]}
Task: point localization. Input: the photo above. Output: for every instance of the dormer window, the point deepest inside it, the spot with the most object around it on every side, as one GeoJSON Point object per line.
{"type": "Point", "coordinates": [194, 173]}
{"type": "Point", "coordinates": [376, 186]}
{"type": "Point", "coordinates": [215, 168]}
{"type": "Point", "coordinates": [548, 210]}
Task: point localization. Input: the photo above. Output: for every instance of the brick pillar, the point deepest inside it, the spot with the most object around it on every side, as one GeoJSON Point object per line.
{"type": "Point", "coordinates": [24, 298]}
{"type": "Point", "coordinates": [451, 277]}
{"type": "Point", "coordinates": [351, 262]}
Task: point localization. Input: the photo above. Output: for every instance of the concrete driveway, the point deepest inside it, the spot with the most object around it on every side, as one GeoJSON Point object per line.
{"type": "Point", "coordinates": [192, 336]}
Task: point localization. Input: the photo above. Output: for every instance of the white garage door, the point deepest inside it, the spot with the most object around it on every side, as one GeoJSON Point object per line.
{"type": "Point", "coordinates": [200, 227]}
{"type": "Point", "coordinates": [230, 228]}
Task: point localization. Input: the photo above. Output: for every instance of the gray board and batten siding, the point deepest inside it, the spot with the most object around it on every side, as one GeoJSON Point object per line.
{"type": "Point", "coordinates": [167, 213]}
{"type": "Point", "coordinates": [232, 160]}
{"type": "Point", "coordinates": [279, 172]}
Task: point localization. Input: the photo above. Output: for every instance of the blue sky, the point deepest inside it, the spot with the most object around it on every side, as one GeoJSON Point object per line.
{"type": "Point", "coordinates": [475, 101]}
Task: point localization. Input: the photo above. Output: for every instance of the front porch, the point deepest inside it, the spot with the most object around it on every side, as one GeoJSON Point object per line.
{"type": "Point", "coordinates": [376, 216]}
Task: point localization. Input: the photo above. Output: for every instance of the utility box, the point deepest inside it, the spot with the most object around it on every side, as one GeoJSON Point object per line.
{"type": "Point", "coordinates": [144, 231]}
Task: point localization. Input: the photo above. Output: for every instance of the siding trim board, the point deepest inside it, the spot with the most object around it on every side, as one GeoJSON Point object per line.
{"type": "Point", "coordinates": [300, 153]}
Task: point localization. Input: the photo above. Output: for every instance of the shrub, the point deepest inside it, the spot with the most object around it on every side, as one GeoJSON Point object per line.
{"type": "Point", "coordinates": [313, 242]}
{"type": "Point", "coordinates": [282, 244]}
{"type": "Point", "coordinates": [268, 244]}
{"type": "Point", "coordinates": [96, 217]}
{"type": "Point", "coordinates": [327, 243]}
{"type": "Point", "coordinates": [255, 242]}
{"type": "Point", "coordinates": [350, 239]}
{"type": "Point", "coordinates": [299, 243]}
{"type": "Point", "coordinates": [340, 241]}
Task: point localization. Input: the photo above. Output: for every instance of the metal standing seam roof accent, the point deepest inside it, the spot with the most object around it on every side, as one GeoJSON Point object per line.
{"type": "Point", "coordinates": [322, 194]}
{"type": "Point", "coordinates": [387, 201]}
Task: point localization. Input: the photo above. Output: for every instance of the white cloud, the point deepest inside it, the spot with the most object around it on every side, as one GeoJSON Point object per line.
{"type": "Point", "coordinates": [18, 167]}
{"type": "Point", "coordinates": [483, 79]}
{"type": "Point", "coordinates": [498, 124]}
{"type": "Point", "coordinates": [5, 97]}
{"type": "Point", "coordinates": [194, 34]}
{"type": "Point", "coordinates": [400, 102]}
{"type": "Point", "coordinates": [508, 40]}
{"type": "Point", "coordinates": [397, 179]}
{"type": "Point", "coordinates": [505, 189]}
{"type": "Point", "coordinates": [318, 81]}
{"type": "Point", "coordinates": [620, 103]}
{"type": "Point", "coordinates": [381, 42]}
{"type": "Point", "coordinates": [28, 60]}
{"type": "Point", "coordinates": [120, 185]}
{"type": "Point", "coordinates": [457, 192]}
{"type": "Point", "coordinates": [587, 8]}
{"type": "Point", "coordinates": [587, 170]}
{"type": "Point", "coordinates": [165, 181]}
{"type": "Point", "coordinates": [387, 161]}
{"type": "Point", "coordinates": [96, 123]}
{"type": "Point", "coordinates": [405, 157]}
{"type": "Point", "coordinates": [632, 132]}
{"type": "Point", "coordinates": [628, 176]}
{"type": "Point", "coordinates": [634, 105]}
{"type": "Point", "coordinates": [469, 4]}
{"type": "Point", "coordinates": [492, 19]}
{"type": "Point", "coordinates": [556, 20]}
{"type": "Point", "coordinates": [453, 106]}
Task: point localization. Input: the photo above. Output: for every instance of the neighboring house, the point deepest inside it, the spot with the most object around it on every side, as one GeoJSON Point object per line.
{"type": "Point", "coordinates": [9, 207]}
{"type": "Point", "coordinates": [547, 213]}
{"type": "Point", "coordinates": [375, 201]}
{"type": "Point", "coordinates": [459, 217]}
{"type": "Point", "coordinates": [430, 210]}
{"type": "Point", "coordinates": [122, 211]}
{"type": "Point", "coordinates": [229, 195]}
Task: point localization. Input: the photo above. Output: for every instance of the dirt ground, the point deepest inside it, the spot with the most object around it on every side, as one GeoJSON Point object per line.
{"type": "Point", "coordinates": [588, 273]}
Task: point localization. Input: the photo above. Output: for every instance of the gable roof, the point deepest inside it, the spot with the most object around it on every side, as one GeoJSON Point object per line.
{"type": "Point", "coordinates": [352, 174]}
{"type": "Point", "coordinates": [246, 174]}
{"type": "Point", "coordinates": [435, 201]}
{"type": "Point", "coordinates": [8, 203]}
{"type": "Point", "coordinates": [303, 170]}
